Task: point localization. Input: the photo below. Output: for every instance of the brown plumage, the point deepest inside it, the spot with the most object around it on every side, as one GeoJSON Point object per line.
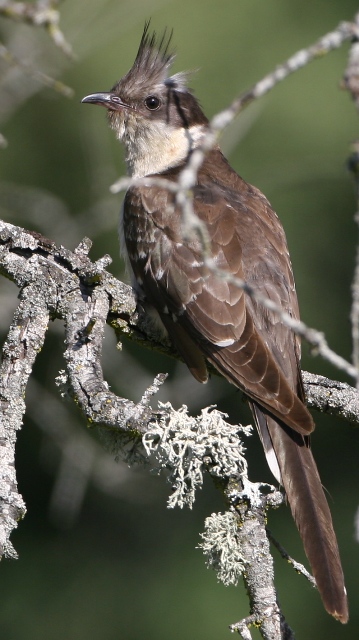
{"type": "Point", "coordinates": [209, 318]}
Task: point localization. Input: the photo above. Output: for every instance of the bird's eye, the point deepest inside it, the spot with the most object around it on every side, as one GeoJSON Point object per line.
{"type": "Point", "coordinates": [152, 103]}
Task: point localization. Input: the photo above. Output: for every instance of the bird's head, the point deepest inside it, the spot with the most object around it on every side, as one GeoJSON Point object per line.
{"type": "Point", "coordinates": [154, 114]}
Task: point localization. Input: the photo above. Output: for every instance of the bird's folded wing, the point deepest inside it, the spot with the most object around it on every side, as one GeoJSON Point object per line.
{"type": "Point", "coordinates": [207, 313]}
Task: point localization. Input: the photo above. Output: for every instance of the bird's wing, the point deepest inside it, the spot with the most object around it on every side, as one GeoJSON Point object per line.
{"type": "Point", "coordinates": [248, 344]}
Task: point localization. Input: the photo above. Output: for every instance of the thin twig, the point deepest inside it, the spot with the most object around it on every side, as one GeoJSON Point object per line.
{"type": "Point", "coordinates": [299, 568]}
{"type": "Point", "coordinates": [331, 41]}
{"type": "Point", "coordinates": [39, 14]}
{"type": "Point", "coordinates": [54, 84]}
{"type": "Point", "coordinates": [351, 83]}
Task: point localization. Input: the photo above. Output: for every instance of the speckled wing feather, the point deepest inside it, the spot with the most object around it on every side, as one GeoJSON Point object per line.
{"type": "Point", "coordinates": [208, 317]}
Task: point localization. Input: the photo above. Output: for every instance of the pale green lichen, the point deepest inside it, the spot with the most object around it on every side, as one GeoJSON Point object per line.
{"type": "Point", "coordinates": [220, 546]}
{"type": "Point", "coordinates": [186, 446]}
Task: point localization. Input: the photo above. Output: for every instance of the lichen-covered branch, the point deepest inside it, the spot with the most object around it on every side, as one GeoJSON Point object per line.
{"type": "Point", "coordinates": [52, 282]}
{"type": "Point", "coordinates": [332, 397]}
{"type": "Point", "coordinates": [79, 292]}
{"type": "Point", "coordinates": [24, 340]}
{"type": "Point", "coordinates": [249, 506]}
{"type": "Point", "coordinates": [85, 295]}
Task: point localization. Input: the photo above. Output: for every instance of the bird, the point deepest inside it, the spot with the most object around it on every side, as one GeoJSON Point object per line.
{"type": "Point", "coordinates": [210, 319]}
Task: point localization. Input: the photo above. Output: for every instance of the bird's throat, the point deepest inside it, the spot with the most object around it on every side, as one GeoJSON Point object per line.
{"type": "Point", "coordinates": [156, 148]}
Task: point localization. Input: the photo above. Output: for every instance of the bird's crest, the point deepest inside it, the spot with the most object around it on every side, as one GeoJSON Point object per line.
{"type": "Point", "coordinates": [152, 64]}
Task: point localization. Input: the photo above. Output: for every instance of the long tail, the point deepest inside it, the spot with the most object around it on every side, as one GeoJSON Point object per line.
{"type": "Point", "coordinates": [301, 481]}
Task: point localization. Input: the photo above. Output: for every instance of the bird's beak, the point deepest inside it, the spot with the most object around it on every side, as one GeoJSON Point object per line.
{"type": "Point", "coordinates": [108, 100]}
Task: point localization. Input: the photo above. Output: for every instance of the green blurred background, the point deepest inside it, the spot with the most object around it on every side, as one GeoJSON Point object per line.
{"type": "Point", "coordinates": [100, 555]}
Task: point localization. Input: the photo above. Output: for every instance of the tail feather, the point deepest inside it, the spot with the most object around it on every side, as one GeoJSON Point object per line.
{"type": "Point", "coordinates": [310, 510]}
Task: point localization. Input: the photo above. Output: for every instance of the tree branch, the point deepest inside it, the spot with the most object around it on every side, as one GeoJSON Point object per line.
{"type": "Point", "coordinates": [24, 341]}
{"type": "Point", "coordinates": [86, 296]}
{"type": "Point", "coordinates": [259, 574]}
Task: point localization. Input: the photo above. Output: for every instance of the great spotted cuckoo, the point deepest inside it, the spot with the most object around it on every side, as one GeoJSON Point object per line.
{"type": "Point", "coordinates": [210, 319]}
